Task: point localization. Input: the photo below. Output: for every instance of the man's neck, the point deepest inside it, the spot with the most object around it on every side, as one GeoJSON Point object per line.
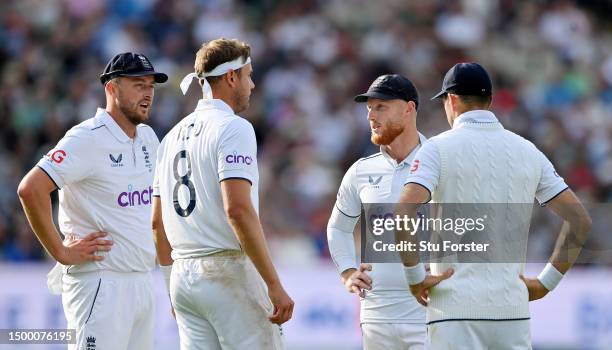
{"type": "Point", "coordinates": [461, 112]}
{"type": "Point", "coordinates": [403, 144]}
{"type": "Point", "coordinates": [225, 97]}
{"type": "Point", "coordinates": [127, 126]}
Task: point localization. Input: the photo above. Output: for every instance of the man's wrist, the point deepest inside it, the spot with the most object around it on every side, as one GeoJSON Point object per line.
{"type": "Point", "coordinates": [347, 273]}
{"type": "Point", "coordinates": [58, 251]}
{"type": "Point", "coordinates": [273, 283]}
{"type": "Point", "coordinates": [415, 274]}
{"type": "Point", "coordinates": [550, 277]}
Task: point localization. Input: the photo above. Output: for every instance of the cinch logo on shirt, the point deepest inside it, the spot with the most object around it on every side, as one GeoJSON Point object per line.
{"type": "Point", "coordinates": [133, 198]}
{"type": "Point", "coordinates": [237, 158]}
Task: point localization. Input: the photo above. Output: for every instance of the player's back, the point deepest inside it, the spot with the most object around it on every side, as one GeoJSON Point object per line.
{"type": "Point", "coordinates": [484, 163]}
{"type": "Point", "coordinates": [500, 171]}
{"type": "Point", "coordinates": [206, 147]}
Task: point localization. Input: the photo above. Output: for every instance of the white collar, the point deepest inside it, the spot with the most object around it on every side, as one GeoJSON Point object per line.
{"type": "Point", "coordinates": [214, 103]}
{"type": "Point", "coordinates": [475, 116]}
{"type": "Point", "coordinates": [112, 126]}
{"type": "Point", "coordinates": [408, 159]}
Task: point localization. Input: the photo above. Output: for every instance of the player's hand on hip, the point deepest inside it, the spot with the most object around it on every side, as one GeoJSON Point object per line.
{"type": "Point", "coordinates": [421, 290]}
{"type": "Point", "coordinates": [535, 287]}
{"type": "Point", "coordinates": [81, 250]}
{"type": "Point", "coordinates": [283, 304]}
{"type": "Point", "coordinates": [359, 281]}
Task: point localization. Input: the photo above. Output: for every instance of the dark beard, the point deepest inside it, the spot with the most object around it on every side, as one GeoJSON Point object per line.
{"type": "Point", "coordinates": [391, 131]}
{"type": "Point", "coordinates": [131, 115]}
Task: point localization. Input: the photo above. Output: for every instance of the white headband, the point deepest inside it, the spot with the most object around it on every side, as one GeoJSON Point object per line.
{"type": "Point", "coordinates": [219, 70]}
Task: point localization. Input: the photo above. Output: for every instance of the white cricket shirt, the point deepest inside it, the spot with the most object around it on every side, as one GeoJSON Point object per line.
{"type": "Point", "coordinates": [208, 146]}
{"type": "Point", "coordinates": [380, 179]}
{"type": "Point", "coordinates": [105, 180]}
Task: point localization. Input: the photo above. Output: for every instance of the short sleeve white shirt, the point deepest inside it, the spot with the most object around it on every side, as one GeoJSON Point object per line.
{"type": "Point", "coordinates": [104, 180]}
{"type": "Point", "coordinates": [208, 146]}
{"type": "Point", "coordinates": [426, 166]}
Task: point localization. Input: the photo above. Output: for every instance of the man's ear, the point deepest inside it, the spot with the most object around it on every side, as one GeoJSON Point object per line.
{"type": "Point", "coordinates": [454, 101]}
{"type": "Point", "coordinates": [113, 85]}
{"type": "Point", "coordinates": [109, 88]}
{"type": "Point", "coordinates": [230, 77]}
{"type": "Point", "coordinates": [410, 107]}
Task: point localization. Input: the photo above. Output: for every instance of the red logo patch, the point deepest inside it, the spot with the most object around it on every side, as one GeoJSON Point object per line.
{"type": "Point", "coordinates": [415, 166]}
{"type": "Point", "coordinates": [57, 156]}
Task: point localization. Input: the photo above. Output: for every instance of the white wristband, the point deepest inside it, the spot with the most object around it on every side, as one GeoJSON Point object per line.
{"type": "Point", "coordinates": [415, 274]}
{"type": "Point", "coordinates": [550, 277]}
{"type": "Point", "coordinates": [166, 272]}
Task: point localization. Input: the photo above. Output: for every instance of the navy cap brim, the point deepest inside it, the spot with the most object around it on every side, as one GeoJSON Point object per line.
{"type": "Point", "coordinates": [159, 77]}
{"type": "Point", "coordinates": [373, 94]}
{"type": "Point", "coordinates": [439, 95]}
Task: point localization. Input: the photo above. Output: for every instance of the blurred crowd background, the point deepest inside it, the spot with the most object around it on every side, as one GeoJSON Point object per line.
{"type": "Point", "coordinates": [551, 62]}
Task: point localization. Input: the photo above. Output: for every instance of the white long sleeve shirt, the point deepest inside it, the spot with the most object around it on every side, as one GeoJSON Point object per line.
{"type": "Point", "coordinates": [374, 179]}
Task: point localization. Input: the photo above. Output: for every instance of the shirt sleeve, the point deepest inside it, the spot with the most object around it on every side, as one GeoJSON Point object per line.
{"type": "Point", "coordinates": [426, 167]}
{"type": "Point", "coordinates": [237, 152]}
{"type": "Point", "coordinates": [340, 240]}
{"type": "Point", "coordinates": [70, 161]}
{"type": "Point", "coordinates": [347, 200]}
{"type": "Point", "coordinates": [551, 184]}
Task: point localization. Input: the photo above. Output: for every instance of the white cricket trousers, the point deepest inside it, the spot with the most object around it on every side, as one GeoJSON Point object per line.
{"type": "Point", "coordinates": [221, 302]}
{"type": "Point", "coordinates": [480, 335]}
{"type": "Point", "coordinates": [109, 310]}
{"type": "Point", "coordinates": [394, 336]}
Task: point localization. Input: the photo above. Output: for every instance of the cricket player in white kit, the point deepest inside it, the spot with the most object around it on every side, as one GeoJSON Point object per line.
{"type": "Point", "coordinates": [485, 305]}
{"type": "Point", "coordinates": [390, 317]}
{"type": "Point", "coordinates": [104, 170]}
{"type": "Point", "coordinates": [224, 289]}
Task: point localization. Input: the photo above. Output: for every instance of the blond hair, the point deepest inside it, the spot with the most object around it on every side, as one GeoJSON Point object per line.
{"type": "Point", "coordinates": [219, 51]}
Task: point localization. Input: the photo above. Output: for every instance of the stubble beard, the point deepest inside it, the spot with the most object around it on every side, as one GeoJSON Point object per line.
{"type": "Point", "coordinates": [131, 112]}
{"type": "Point", "coordinates": [241, 101]}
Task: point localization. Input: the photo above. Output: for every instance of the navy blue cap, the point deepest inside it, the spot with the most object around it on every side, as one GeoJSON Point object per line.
{"type": "Point", "coordinates": [391, 87]}
{"type": "Point", "coordinates": [466, 79]}
{"type": "Point", "coordinates": [130, 64]}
